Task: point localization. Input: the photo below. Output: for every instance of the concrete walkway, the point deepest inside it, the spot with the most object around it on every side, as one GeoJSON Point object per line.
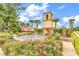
{"type": "Point", "coordinates": [68, 48]}
{"type": "Point", "coordinates": [1, 52]}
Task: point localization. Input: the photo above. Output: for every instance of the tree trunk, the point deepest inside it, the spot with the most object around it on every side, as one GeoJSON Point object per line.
{"type": "Point", "coordinates": [37, 26]}
{"type": "Point", "coordinates": [71, 25]}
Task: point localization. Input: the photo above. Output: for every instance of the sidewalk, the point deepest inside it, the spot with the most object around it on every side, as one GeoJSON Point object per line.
{"type": "Point", "coordinates": [68, 49]}
{"type": "Point", "coordinates": [1, 52]}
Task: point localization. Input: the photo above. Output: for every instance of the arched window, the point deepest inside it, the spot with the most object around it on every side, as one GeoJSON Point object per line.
{"type": "Point", "coordinates": [47, 17]}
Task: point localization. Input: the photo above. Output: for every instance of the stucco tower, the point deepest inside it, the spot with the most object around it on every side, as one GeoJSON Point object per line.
{"type": "Point", "coordinates": [48, 23]}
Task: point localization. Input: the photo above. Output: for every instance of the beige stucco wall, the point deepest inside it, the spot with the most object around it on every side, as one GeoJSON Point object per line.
{"type": "Point", "coordinates": [46, 32]}
{"type": "Point", "coordinates": [48, 24]}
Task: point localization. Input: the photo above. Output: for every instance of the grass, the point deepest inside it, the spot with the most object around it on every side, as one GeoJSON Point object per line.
{"type": "Point", "coordinates": [49, 47]}
{"type": "Point", "coordinates": [75, 38]}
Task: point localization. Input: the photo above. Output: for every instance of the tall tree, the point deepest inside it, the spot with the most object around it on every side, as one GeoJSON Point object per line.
{"type": "Point", "coordinates": [56, 20]}
{"type": "Point", "coordinates": [8, 18]}
{"type": "Point", "coordinates": [31, 22]}
{"type": "Point", "coordinates": [71, 22]}
{"type": "Point", "coordinates": [37, 22]}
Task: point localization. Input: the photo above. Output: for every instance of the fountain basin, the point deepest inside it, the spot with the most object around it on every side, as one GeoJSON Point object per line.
{"type": "Point", "coordinates": [33, 37]}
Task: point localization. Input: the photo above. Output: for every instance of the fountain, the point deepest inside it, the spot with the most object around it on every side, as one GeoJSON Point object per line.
{"type": "Point", "coordinates": [24, 37]}
{"type": "Point", "coordinates": [34, 36]}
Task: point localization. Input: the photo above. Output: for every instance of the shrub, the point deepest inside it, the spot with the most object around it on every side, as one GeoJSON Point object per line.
{"type": "Point", "coordinates": [17, 48]}
{"type": "Point", "coordinates": [2, 40]}
{"type": "Point", "coordinates": [58, 42]}
{"type": "Point", "coordinates": [8, 47]}
{"type": "Point", "coordinates": [4, 36]}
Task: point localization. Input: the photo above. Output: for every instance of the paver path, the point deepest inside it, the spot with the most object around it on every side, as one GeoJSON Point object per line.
{"type": "Point", "coordinates": [1, 52]}
{"type": "Point", "coordinates": [68, 48]}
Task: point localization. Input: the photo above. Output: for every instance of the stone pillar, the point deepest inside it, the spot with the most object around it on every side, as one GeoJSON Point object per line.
{"type": "Point", "coordinates": [63, 32]}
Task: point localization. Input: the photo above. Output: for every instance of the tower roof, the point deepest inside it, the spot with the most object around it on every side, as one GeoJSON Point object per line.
{"type": "Point", "coordinates": [49, 13]}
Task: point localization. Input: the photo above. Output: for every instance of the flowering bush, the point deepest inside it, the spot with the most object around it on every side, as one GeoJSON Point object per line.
{"type": "Point", "coordinates": [50, 47]}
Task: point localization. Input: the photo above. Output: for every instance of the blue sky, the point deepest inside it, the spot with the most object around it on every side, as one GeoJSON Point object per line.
{"type": "Point", "coordinates": [63, 11]}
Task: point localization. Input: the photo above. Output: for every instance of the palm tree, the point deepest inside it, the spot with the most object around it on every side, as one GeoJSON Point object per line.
{"type": "Point", "coordinates": [31, 22]}
{"type": "Point", "coordinates": [71, 22]}
{"type": "Point", "coordinates": [37, 22]}
{"type": "Point", "coordinates": [56, 20]}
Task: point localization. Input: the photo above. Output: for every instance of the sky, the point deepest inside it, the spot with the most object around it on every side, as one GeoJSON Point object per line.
{"type": "Point", "coordinates": [63, 11]}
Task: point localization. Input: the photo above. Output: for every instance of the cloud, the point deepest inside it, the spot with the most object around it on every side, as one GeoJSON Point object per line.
{"type": "Point", "coordinates": [61, 7]}
{"type": "Point", "coordinates": [38, 18]}
{"type": "Point", "coordinates": [59, 25]}
{"type": "Point", "coordinates": [66, 19]}
{"type": "Point", "coordinates": [76, 18]}
{"type": "Point", "coordinates": [33, 9]}
{"type": "Point", "coordinates": [23, 19]}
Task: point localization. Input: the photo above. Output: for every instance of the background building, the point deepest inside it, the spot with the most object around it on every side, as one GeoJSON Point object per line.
{"type": "Point", "coordinates": [27, 28]}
